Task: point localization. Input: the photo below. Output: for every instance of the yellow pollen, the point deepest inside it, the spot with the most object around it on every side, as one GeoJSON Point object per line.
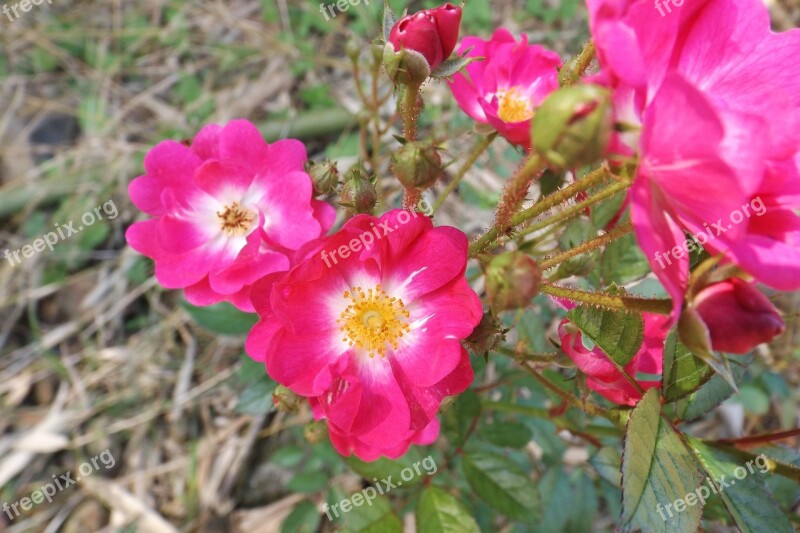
{"type": "Point", "coordinates": [514, 106]}
{"type": "Point", "coordinates": [236, 220]}
{"type": "Point", "coordinates": [374, 321]}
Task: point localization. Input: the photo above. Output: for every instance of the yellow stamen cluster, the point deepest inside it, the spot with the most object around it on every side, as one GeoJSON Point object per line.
{"type": "Point", "coordinates": [514, 106]}
{"type": "Point", "coordinates": [235, 220]}
{"type": "Point", "coordinates": [374, 321]}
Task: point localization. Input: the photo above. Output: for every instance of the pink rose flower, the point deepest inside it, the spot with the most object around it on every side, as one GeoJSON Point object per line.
{"type": "Point", "coordinates": [716, 95]}
{"type": "Point", "coordinates": [369, 326]}
{"type": "Point", "coordinates": [225, 211]}
{"type": "Point", "coordinates": [602, 376]}
{"type": "Point", "coordinates": [430, 32]}
{"type": "Point", "coordinates": [505, 88]}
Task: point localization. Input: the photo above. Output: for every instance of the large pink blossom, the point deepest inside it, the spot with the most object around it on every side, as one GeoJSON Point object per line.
{"type": "Point", "coordinates": [716, 97]}
{"type": "Point", "coordinates": [369, 326]}
{"type": "Point", "coordinates": [603, 377]}
{"type": "Point", "coordinates": [226, 211]}
{"type": "Point", "coordinates": [505, 88]}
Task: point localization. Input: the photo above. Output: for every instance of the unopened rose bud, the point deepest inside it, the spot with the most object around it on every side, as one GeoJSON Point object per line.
{"type": "Point", "coordinates": [324, 176]}
{"type": "Point", "coordinates": [487, 336]}
{"type": "Point", "coordinates": [285, 400]}
{"type": "Point", "coordinates": [512, 280]}
{"type": "Point", "coordinates": [377, 49]}
{"type": "Point", "coordinates": [417, 165]}
{"type": "Point", "coordinates": [352, 49]}
{"type": "Point", "coordinates": [737, 315]}
{"type": "Point", "coordinates": [418, 43]}
{"type": "Point", "coordinates": [573, 126]}
{"type": "Point", "coordinates": [315, 432]}
{"type": "Point", "coordinates": [358, 192]}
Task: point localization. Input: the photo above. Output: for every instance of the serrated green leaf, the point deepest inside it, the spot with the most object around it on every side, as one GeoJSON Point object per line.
{"type": "Point", "coordinates": [303, 519]}
{"type": "Point", "coordinates": [375, 518]}
{"type": "Point", "coordinates": [617, 333]}
{"type": "Point", "coordinates": [506, 434]}
{"type": "Point", "coordinates": [623, 261]}
{"type": "Point", "coordinates": [222, 318]}
{"type": "Point", "coordinates": [502, 484]}
{"type": "Point", "coordinates": [683, 373]}
{"type": "Point", "coordinates": [608, 463]}
{"type": "Point", "coordinates": [745, 496]}
{"type": "Point", "coordinates": [453, 65]}
{"type": "Point", "coordinates": [459, 415]}
{"type": "Point", "coordinates": [657, 469]}
{"type": "Point", "coordinates": [439, 512]}
{"type": "Point", "coordinates": [389, 20]}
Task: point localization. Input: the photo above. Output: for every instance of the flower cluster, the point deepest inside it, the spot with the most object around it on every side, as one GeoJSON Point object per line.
{"type": "Point", "coordinates": [367, 323]}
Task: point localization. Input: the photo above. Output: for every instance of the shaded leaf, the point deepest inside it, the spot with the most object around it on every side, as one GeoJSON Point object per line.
{"type": "Point", "coordinates": [222, 318]}
{"type": "Point", "coordinates": [439, 512]}
{"type": "Point", "coordinates": [617, 333]}
{"type": "Point", "coordinates": [502, 484]}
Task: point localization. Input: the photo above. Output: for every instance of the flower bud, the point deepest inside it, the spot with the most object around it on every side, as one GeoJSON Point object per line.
{"type": "Point", "coordinates": [512, 280]}
{"type": "Point", "coordinates": [430, 34]}
{"type": "Point", "coordinates": [488, 335]}
{"type": "Point", "coordinates": [358, 192]}
{"type": "Point", "coordinates": [285, 400]}
{"type": "Point", "coordinates": [405, 67]}
{"type": "Point", "coordinates": [352, 49]}
{"type": "Point", "coordinates": [377, 49]}
{"type": "Point", "coordinates": [315, 432]}
{"type": "Point", "coordinates": [417, 165]}
{"type": "Point", "coordinates": [324, 176]}
{"type": "Point", "coordinates": [573, 126]}
{"type": "Point", "coordinates": [737, 315]}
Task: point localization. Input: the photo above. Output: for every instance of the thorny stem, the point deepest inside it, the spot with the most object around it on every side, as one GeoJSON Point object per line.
{"type": "Point", "coordinates": [608, 300]}
{"type": "Point", "coordinates": [574, 69]}
{"type": "Point", "coordinates": [409, 111]}
{"type": "Point", "coordinates": [516, 190]}
{"type": "Point", "coordinates": [557, 259]}
{"type": "Point", "coordinates": [546, 203]}
{"type": "Point", "coordinates": [481, 147]}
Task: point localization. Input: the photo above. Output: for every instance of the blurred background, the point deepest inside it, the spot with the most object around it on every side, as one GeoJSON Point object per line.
{"type": "Point", "coordinates": [98, 361]}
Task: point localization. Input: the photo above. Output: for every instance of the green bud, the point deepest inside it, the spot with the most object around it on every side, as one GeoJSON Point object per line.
{"type": "Point", "coordinates": [285, 400]}
{"type": "Point", "coordinates": [377, 52]}
{"type": "Point", "coordinates": [352, 49]}
{"type": "Point", "coordinates": [405, 67]}
{"type": "Point", "coordinates": [324, 176]}
{"type": "Point", "coordinates": [358, 192]}
{"type": "Point", "coordinates": [417, 165]}
{"type": "Point", "coordinates": [512, 280]}
{"type": "Point", "coordinates": [573, 125]}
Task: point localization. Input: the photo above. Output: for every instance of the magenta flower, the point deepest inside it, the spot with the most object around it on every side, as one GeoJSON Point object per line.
{"type": "Point", "coordinates": [504, 89]}
{"type": "Point", "coordinates": [430, 32]}
{"type": "Point", "coordinates": [225, 211]}
{"type": "Point", "coordinates": [369, 326]}
{"type": "Point", "coordinates": [717, 97]}
{"type": "Point", "coordinates": [602, 376]}
{"type": "Point", "coordinates": [737, 315]}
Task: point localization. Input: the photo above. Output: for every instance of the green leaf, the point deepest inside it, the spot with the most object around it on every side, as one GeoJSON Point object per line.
{"type": "Point", "coordinates": [459, 416]}
{"type": "Point", "coordinates": [384, 468]}
{"type": "Point", "coordinates": [308, 482]}
{"type": "Point", "coordinates": [389, 20]}
{"type": "Point", "coordinates": [750, 503]}
{"type": "Point", "coordinates": [623, 261]}
{"type": "Point", "coordinates": [453, 65]}
{"type": "Point", "coordinates": [693, 333]}
{"type": "Point", "coordinates": [684, 373]}
{"type": "Point", "coordinates": [502, 484]}
{"type": "Point", "coordinates": [256, 399]}
{"type": "Point", "coordinates": [303, 519]}
{"type": "Point", "coordinates": [506, 434]}
{"type": "Point", "coordinates": [617, 333]}
{"type": "Point", "coordinates": [375, 518]}
{"type": "Point", "coordinates": [657, 470]}
{"type": "Point", "coordinates": [222, 318]}
{"type": "Point", "coordinates": [440, 512]}
{"type": "Point", "coordinates": [607, 462]}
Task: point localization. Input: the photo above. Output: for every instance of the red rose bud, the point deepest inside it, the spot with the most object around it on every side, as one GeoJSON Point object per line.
{"type": "Point", "coordinates": [737, 315]}
{"type": "Point", "coordinates": [431, 32]}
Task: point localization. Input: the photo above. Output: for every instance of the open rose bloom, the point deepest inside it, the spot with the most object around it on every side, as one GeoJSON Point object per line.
{"type": "Point", "coordinates": [225, 211]}
{"type": "Point", "coordinates": [504, 89]}
{"type": "Point", "coordinates": [715, 95]}
{"type": "Point", "coordinates": [369, 326]}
